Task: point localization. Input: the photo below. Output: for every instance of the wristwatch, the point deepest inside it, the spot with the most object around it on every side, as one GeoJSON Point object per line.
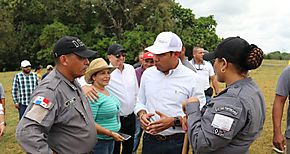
{"type": "Point", "coordinates": [177, 122]}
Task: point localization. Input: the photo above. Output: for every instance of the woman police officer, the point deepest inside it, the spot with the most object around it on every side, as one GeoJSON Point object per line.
{"type": "Point", "coordinates": [234, 118]}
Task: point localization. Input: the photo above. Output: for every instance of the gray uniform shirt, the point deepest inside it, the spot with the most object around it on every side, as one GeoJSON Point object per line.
{"type": "Point", "coordinates": [58, 118]}
{"type": "Point", "coordinates": [283, 89]}
{"type": "Point", "coordinates": [231, 122]}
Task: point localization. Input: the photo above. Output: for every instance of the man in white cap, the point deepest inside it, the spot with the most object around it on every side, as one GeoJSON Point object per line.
{"type": "Point", "coordinates": [23, 85]}
{"type": "Point", "coordinates": [163, 89]}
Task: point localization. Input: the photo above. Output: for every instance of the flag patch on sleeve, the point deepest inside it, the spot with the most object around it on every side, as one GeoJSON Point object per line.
{"type": "Point", "coordinates": [42, 101]}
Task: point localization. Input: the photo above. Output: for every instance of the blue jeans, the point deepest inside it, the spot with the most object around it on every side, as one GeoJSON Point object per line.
{"type": "Point", "coordinates": [138, 133]}
{"type": "Point", "coordinates": [104, 147]}
{"type": "Point", "coordinates": [155, 145]}
{"type": "Point", "coordinates": [22, 109]}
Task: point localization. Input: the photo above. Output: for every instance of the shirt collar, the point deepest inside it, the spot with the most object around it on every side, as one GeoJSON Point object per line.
{"type": "Point", "coordinates": [75, 85]}
{"type": "Point", "coordinates": [179, 65]}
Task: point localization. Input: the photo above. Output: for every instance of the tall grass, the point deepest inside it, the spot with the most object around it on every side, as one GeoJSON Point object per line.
{"type": "Point", "coordinates": [266, 77]}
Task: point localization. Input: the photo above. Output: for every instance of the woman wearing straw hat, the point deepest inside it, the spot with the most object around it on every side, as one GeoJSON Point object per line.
{"type": "Point", "coordinates": [106, 108]}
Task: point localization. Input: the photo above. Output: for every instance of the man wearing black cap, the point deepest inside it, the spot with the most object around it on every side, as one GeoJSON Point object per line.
{"type": "Point", "coordinates": [59, 118]}
{"type": "Point", "coordinates": [123, 84]}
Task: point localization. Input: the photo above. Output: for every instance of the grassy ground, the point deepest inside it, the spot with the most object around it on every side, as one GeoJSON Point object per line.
{"type": "Point", "coordinates": [266, 77]}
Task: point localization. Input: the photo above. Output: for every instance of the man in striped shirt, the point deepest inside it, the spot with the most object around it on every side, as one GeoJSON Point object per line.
{"type": "Point", "coordinates": [23, 85]}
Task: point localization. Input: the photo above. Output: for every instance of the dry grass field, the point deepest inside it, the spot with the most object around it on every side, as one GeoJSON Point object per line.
{"type": "Point", "coordinates": [266, 77]}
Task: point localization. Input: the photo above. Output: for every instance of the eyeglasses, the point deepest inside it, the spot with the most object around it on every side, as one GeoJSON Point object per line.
{"type": "Point", "coordinates": [119, 55]}
{"type": "Point", "coordinates": [199, 67]}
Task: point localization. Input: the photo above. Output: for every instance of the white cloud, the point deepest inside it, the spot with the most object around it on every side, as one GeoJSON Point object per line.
{"type": "Point", "coordinates": [261, 22]}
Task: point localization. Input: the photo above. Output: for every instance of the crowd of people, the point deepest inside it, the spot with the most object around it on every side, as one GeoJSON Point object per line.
{"type": "Point", "coordinates": [95, 107]}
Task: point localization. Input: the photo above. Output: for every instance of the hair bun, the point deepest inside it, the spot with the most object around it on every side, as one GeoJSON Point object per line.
{"type": "Point", "coordinates": [254, 58]}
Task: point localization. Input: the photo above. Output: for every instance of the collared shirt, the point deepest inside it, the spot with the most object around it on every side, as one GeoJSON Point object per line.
{"type": "Point", "coordinates": [124, 86]}
{"type": "Point", "coordinates": [232, 121]}
{"type": "Point", "coordinates": [23, 86]}
{"type": "Point", "coordinates": [165, 93]}
{"type": "Point", "coordinates": [59, 119]}
{"type": "Point", "coordinates": [139, 71]}
{"type": "Point", "coordinates": [204, 71]}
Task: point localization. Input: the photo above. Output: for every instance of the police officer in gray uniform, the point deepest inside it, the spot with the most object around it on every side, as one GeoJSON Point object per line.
{"type": "Point", "coordinates": [59, 119]}
{"type": "Point", "coordinates": [234, 118]}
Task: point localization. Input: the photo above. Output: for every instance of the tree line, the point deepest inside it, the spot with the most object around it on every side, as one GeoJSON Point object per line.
{"type": "Point", "coordinates": [29, 28]}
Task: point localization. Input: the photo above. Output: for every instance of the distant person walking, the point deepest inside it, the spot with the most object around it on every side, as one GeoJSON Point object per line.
{"type": "Point", "coordinates": [49, 68]}
{"type": "Point", "coordinates": [37, 71]}
{"type": "Point", "coordinates": [106, 108]}
{"type": "Point", "coordinates": [23, 85]}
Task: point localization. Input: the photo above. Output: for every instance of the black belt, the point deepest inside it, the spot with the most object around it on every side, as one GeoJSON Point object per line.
{"type": "Point", "coordinates": [127, 116]}
{"type": "Point", "coordinates": [165, 138]}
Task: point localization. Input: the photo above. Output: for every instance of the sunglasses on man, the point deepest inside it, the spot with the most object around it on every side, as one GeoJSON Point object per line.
{"type": "Point", "coordinates": [120, 54]}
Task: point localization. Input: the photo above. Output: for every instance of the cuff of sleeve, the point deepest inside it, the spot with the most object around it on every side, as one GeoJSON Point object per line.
{"type": "Point", "coordinates": [192, 108]}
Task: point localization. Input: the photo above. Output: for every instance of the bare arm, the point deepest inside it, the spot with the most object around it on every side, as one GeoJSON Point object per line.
{"type": "Point", "coordinates": [277, 113]}
{"type": "Point", "coordinates": [104, 131]}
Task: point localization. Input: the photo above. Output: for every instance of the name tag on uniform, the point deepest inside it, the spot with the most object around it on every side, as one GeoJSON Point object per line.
{"type": "Point", "coordinates": [222, 122]}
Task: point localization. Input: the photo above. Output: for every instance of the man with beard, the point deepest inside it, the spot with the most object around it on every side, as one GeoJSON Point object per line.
{"type": "Point", "coordinates": [59, 118]}
{"type": "Point", "coordinates": [23, 85]}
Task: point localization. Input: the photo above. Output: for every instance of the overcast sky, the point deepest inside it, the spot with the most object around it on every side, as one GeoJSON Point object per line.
{"type": "Point", "coordinates": [265, 23]}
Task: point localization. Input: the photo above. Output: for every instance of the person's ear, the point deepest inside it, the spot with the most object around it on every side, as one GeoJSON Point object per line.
{"type": "Point", "coordinates": [176, 54]}
{"type": "Point", "coordinates": [63, 60]}
{"type": "Point", "coordinates": [224, 64]}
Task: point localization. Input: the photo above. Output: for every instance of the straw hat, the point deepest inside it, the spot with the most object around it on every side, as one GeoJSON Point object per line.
{"type": "Point", "coordinates": [96, 66]}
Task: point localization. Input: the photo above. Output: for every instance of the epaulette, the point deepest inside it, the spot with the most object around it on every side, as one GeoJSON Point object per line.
{"type": "Point", "coordinates": [54, 83]}
{"type": "Point", "coordinates": [234, 90]}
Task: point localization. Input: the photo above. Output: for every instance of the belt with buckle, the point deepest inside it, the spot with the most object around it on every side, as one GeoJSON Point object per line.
{"type": "Point", "coordinates": [167, 137]}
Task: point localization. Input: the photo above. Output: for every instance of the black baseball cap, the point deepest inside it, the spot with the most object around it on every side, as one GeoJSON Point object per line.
{"type": "Point", "coordinates": [233, 49]}
{"type": "Point", "coordinates": [70, 44]}
{"type": "Point", "coordinates": [115, 49]}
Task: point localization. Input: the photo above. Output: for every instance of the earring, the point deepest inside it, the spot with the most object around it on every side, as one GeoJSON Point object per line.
{"type": "Point", "coordinates": [223, 70]}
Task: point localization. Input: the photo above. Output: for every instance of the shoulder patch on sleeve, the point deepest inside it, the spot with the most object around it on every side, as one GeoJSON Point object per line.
{"type": "Point", "coordinates": [42, 101]}
{"type": "Point", "coordinates": [36, 113]}
{"type": "Point", "coordinates": [222, 122]}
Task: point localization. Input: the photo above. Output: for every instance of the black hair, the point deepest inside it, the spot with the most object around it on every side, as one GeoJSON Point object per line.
{"type": "Point", "coordinates": [252, 59]}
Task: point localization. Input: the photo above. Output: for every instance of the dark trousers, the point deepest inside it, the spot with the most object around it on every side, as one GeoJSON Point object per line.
{"type": "Point", "coordinates": [22, 109]}
{"type": "Point", "coordinates": [157, 144]}
{"type": "Point", "coordinates": [127, 127]}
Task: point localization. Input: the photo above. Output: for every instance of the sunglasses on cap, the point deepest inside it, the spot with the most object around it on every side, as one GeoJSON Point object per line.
{"type": "Point", "coordinates": [120, 54]}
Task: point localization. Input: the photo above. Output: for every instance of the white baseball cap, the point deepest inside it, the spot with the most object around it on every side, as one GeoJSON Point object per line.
{"type": "Point", "coordinates": [166, 42]}
{"type": "Point", "coordinates": [25, 63]}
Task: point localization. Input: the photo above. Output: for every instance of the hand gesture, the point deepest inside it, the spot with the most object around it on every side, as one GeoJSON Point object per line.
{"type": "Point", "coordinates": [145, 120]}
{"type": "Point", "coordinates": [159, 125]}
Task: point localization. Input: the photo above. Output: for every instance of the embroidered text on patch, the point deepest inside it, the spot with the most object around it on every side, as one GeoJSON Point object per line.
{"type": "Point", "coordinates": [44, 102]}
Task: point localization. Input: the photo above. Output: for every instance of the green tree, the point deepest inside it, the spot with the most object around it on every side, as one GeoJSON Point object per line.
{"type": "Point", "coordinates": [49, 35]}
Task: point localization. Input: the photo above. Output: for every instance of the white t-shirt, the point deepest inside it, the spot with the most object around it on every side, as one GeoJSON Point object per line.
{"type": "Point", "coordinates": [204, 71]}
